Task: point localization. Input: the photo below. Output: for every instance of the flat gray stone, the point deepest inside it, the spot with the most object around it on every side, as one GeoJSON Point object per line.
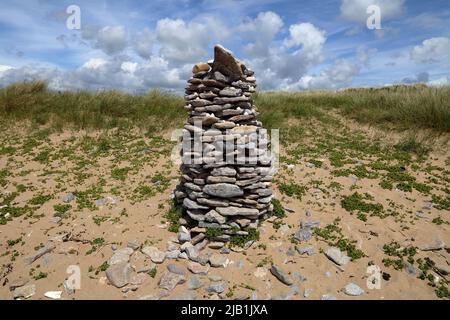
{"type": "Point", "coordinates": [190, 204]}
{"type": "Point", "coordinates": [218, 261]}
{"type": "Point", "coordinates": [119, 274]}
{"type": "Point", "coordinates": [213, 202]}
{"type": "Point", "coordinates": [303, 234]}
{"type": "Point", "coordinates": [223, 190]}
{"type": "Point", "coordinates": [170, 280]}
{"type": "Point", "coordinates": [237, 211]}
{"type": "Point", "coordinates": [197, 268]}
{"type": "Point", "coordinates": [352, 289]}
{"type": "Point", "coordinates": [24, 292]}
{"type": "Point", "coordinates": [68, 197]}
{"type": "Point", "coordinates": [120, 256]}
{"type": "Point", "coordinates": [194, 283]}
{"type": "Point", "coordinates": [216, 287]}
{"type": "Point", "coordinates": [230, 92]}
{"type": "Point", "coordinates": [338, 257]}
{"type": "Point", "coordinates": [309, 250]}
{"type": "Point", "coordinates": [156, 255]}
{"type": "Point", "coordinates": [174, 268]}
{"type": "Point", "coordinates": [39, 253]}
{"type": "Point", "coordinates": [281, 275]}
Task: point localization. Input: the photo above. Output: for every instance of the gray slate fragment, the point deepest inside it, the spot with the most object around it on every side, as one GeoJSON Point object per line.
{"type": "Point", "coordinates": [281, 275]}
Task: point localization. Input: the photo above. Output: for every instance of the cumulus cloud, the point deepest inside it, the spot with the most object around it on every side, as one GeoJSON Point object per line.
{"type": "Point", "coordinates": [286, 64]}
{"type": "Point", "coordinates": [186, 42]}
{"type": "Point", "coordinates": [162, 57]}
{"type": "Point", "coordinates": [260, 32]}
{"type": "Point", "coordinates": [422, 77]}
{"type": "Point", "coordinates": [439, 82]}
{"type": "Point", "coordinates": [355, 10]}
{"type": "Point", "coordinates": [339, 75]}
{"type": "Point", "coordinates": [98, 74]}
{"type": "Point", "coordinates": [112, 39]}
{"type": "Point", "coordinates": [143, 43]}
{"type": "Point", "coordinates": [4, 68]}
{"type": "Point", "coordinates": [431, 50]}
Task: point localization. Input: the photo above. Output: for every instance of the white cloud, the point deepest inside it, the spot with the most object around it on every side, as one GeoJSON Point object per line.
{"type": "Point", "coordinates": [285, 64]}
{"type": "Point", "coordinates": [98, 74]}
{"type": "Point", "coordinates": [112, 39]}
{"type": "Point", "coordinates": [128, 66]}
{"type": "Point", "coordinates": [4, 68]}
{"type": "Point", "coordinates": [439, 82]}
{"type": "Point", "coordinates": [355, 10]}
{"type": "Point", "coordinates": [431, 50]}
{"type": "Point", "coordinates": [307, 36]}
{"type": "Point", "coordinates": [183, 42]}
{"type": "Point", "coordinates": [260, 32]}
{"type": "Point", "coordinates": [339, 75]}
{"type": "Point", "coordinates": [94, 63]}
{"type": "Point", "coordinates": [143, 43]}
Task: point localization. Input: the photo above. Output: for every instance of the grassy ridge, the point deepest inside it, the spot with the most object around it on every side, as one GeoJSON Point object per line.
{"type": "Point", "coordinates": [154, 111]}
{"type": "Point", "coordinates": [401, 107]}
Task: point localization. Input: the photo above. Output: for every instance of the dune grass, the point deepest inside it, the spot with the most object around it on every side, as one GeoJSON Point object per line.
{"type": "Point", "coordinates": [154, 111]}
{"type": "Point", "coordinates": [398, 107]}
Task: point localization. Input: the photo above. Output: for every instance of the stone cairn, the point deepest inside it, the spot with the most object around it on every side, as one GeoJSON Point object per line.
{"type": "Point", "coordinates": [226, 166]}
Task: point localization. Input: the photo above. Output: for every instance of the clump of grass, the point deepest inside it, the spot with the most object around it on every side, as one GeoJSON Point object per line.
{"type": "Point", "coordinates": [95, 244]}
{"type": "Point", "coordinates": [173, 216]}
{"type": "Point", "coordinates": [39, 199]}
{"type": "Point", "coordinates": [292, 189]}
{"type": "Point", "coordinates": [213, 232]}
{"type": "Point", "coordinates": [439, 221]}
{"type": "Point", "coordinates": [332, 234]}
{"type": "Point", "coordinates": [241, 240]}
{"type": "Point", "coordinates": [278, 210]}
{"type": "Point", "coordinates": [410, 144]}
{"type": "Point", "coordinates": [398, 253]}
{"type": "Point", "coordinates": [358, 202]}
{"type": "Point", "coordinates": [61, 210]}
{"type": "Point", "coordinates": [120, 173]}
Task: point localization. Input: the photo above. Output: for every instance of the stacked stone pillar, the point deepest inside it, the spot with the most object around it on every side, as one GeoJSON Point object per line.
{"type": "Point", "coordinates": [226, 166]}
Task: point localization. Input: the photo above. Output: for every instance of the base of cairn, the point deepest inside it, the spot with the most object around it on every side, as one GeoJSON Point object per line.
{"type": "Point", "coordinates": [226, 165]}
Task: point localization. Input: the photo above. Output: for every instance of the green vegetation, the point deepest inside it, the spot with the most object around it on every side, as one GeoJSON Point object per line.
{"type": "Point", "coordinates": [398, 253]}
{"type": "Point", "coordinates": [241, 240]}
{"type": "Point", "coordinates": [120, 173]}
{"type": "Point", "coordinates": [399, 106]}
{"type": "Point", "coordinates": [292, 189]}
{"type": "Point", "coordinates": [95, 244]}
{"type": "Point", "coordinates": [32, 101]}
{"type": "Point", "coordinates": [61, 210]}
{"type": "Point", "coordinates": [332, 234]}
{"type": "Point", "coordinates": [173, 216]}
{"type": "Point", "coordinates": [39, 199]}
{"type": "Point", "coordinates": [213, 232]}
{"type": "Point", "coordinates": [356, 202]}
{"type": "Point", "coordinates": [278, 210]}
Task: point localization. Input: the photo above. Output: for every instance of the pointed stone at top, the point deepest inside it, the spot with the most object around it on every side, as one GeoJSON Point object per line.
{"type": "Point", "coordinates": [226, 64]}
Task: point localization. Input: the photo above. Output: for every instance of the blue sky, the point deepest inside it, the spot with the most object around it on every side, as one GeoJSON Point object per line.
{"type": "Point", "coordinates": [291, 45]}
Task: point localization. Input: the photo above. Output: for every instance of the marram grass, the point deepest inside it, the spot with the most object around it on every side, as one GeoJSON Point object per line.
{"type": "Point", "coordinates": [399, 107]}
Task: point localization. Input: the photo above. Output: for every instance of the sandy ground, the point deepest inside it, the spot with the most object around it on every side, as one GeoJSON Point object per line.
{"type": "Point", "coordinates": [75, 164]}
